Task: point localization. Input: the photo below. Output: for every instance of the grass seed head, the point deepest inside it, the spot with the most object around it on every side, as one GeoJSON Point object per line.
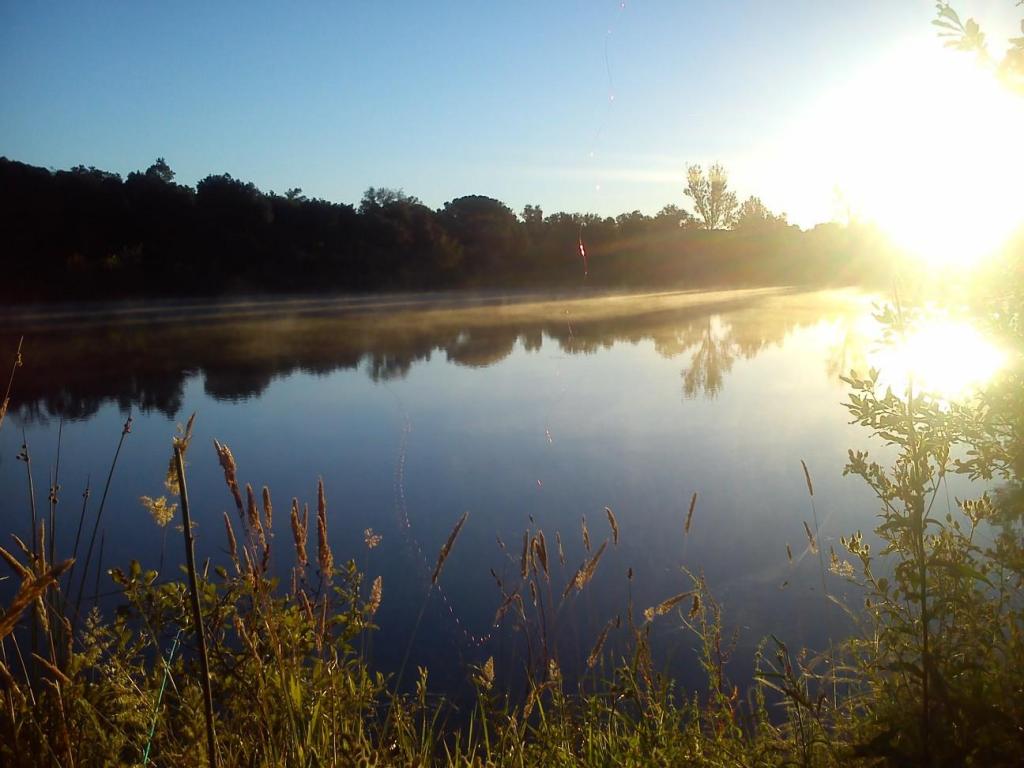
{"type": "Point", "coordinates": [595, 652]}
{"type": "Point", "coordinates": [268, 508]}
{"type": "Point", "coordinates": [807, 477]}
{"type": "Point", "coordinates": [300, 530]}
{"type": "Point", "coordinates": [524, 560]}
{"type": "Point", "coordinates": [614, 525]}
{"type": "Point", "coordinates": [447, 548]}
{"type": "Point", "coordinates": [689, 514]}
{"type": "Point", "coordinates": [540, 550]}
{"type": "Point", "coordinates": [255, 526]}
{"type": "Point", "coordinates": [665, 605]}
{"type": "Point", "coordinates": [227, 463]}
{"type": "Point", "coordinates": [810, 538]}
{"type": "Point", "coordinates": [376, 593]}
{"type": "Point", "coordinates": [325, 558]}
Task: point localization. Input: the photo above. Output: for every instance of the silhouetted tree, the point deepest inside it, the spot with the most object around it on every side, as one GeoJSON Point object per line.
{"type": "Point", "coordinates": [161, 170]}
{"type": "Point", "coordinates": [489, 233]}
{"type": "Point", "coordinates": [381, 197]}
{"type": "Point", "coordinates": [674, 216]}
{"type": "Point", "coordinates": [532, 215]}
{"type": "Point", "coordinates": [753, 214]}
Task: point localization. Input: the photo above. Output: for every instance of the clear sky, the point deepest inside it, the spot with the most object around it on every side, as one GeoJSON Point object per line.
{"type": "Point", "coordinates": [579, 105]}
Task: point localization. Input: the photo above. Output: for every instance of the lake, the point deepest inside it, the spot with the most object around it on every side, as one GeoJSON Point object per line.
{"type": "Point", "coordinates": [524, 410]}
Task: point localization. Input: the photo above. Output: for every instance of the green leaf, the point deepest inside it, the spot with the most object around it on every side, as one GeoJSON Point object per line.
{"type": "Point", "coordinates": [947, 12]}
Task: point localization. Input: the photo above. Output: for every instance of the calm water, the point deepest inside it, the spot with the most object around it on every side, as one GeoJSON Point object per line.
{"type": "Point", "coordinates": [415, 410]}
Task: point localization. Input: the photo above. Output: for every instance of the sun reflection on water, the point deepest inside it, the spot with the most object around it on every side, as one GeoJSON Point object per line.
{"type": "Point", "coordinates": [942, 356]}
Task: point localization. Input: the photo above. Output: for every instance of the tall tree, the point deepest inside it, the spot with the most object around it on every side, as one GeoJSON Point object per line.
{"type": "Point", "coordinates": [715, 203]}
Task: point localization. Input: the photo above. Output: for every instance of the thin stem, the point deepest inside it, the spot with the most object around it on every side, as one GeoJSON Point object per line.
{"type": "Point", "coordinates": [27, 458]}
{"type": "Point", "coordinates": [54, 490]}
{"type": "Point", "coordinates": [38, 556]}
{"type": "Point", "coordinates": [78, 536]}
{"type": "Point", "coordinates": [99, 570]}
{"type": "Point", "coordinates": [159, 698]}
{"type": "Point", "coordinates": [918, 523]}
{"type": "Point", "coordinates": [197, 615]}
{"type": "Point", "coordinates": [99, 514]}
{"type": "Point", "coordinates": [10, 382]}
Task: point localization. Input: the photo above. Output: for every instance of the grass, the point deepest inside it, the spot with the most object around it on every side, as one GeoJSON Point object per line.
{"type": "Point", "coordinates": [229, 666]}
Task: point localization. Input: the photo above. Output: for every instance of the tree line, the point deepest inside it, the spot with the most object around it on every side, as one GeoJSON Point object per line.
{"type": "Point", "coordinates": [85, 233]}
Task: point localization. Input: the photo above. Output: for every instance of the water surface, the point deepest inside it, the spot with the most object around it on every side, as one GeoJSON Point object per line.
{"type": "Point", "coordinates": [522, 411]}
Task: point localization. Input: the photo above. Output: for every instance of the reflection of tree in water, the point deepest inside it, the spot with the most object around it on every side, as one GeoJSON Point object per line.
{"type": "Point", "coordinates": [710, 362]}
{"type": "Point", "coordinates": [145, 366]}
{"type": "Point", "coordinates": [713, 348]}
{"type": "Point", "coordinates": [717, 341]}
{"type": "Point", "coordinates": [849, 350]}
{"type": "Point", "coordinates": [386, 367]}
{"type": "Point", "coordinates": [483, 347]}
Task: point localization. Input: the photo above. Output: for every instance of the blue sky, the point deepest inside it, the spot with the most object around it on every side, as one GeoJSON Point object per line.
{"type": "Point", "coordinates": [513, 99]}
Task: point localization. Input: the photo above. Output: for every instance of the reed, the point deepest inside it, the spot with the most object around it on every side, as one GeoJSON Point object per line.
{"type": "Point", "coordinates": [227, 463]}
{"type": "Point", "coordinates": [78, 537]}
{"type": "Point", "coordinates": [197, 614]}
{"type": "Point", "coordinates": [5, 403]}
{"type": "Point", "coordinates": [540, 550]}
{"type": "Point", "coordinates": [585, 572]}
{"type": "Point", "coordinates": [232, 541]}
{"type": "Point", "coordinates": [300, 532]}
{"type": "Point", "coordinates": [325, 558]}
{"type": "Point", "coordinates": [447, 548]}
{"type": "Point", "coordinates": [31, 590]}
{"type": "Point", "coordinates": [666, 605]}
{"type": "Point", "coordinates": [815, 540]}
{"type": "Point", "coordinates": [614, 524]}
{"type": "Point", "coordinates": [524, 560]}
{"type": "Point", "coordinates": [54, 495]}
{"type": "Point", "coordinates": [376, 595]}
{"type": "Point", "coordinates": [268, 508]}
{"type": "Point", "coordinates": [595, 652]}
{"type": "Point", "coordinates": [253, 518]}
{"type": "Point", "coordinates": [25, 456]}
{"type": "Point", "coordinates": [125, 431]}
{"type": "Point", "coordinates": [812, 543]}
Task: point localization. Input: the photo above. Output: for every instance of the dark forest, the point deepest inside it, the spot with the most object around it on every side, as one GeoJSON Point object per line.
{"type": "Point", "coordinates": [86, 234]}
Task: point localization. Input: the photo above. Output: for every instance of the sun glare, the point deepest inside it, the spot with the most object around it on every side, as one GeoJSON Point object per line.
{"type": "Point", "coordinates": [925, 144]}
{"type": "Point", "coordinates": [945, 357]}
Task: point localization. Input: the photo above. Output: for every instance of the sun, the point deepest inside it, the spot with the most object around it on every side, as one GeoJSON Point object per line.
{"type": "Point", "coordinates": [926, 144]}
